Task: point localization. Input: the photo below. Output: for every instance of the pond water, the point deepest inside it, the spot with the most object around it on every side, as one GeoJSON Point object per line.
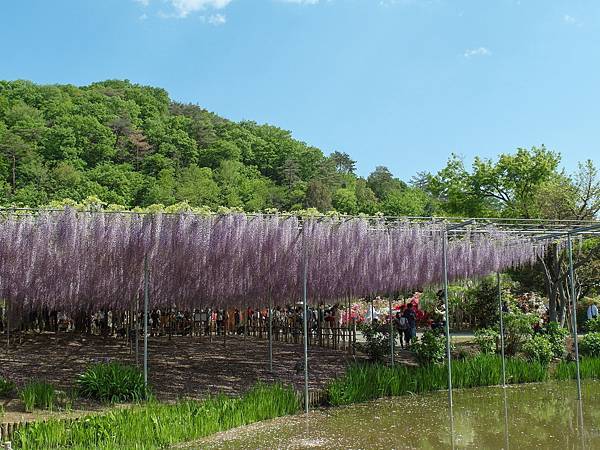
{"type": "Point", "coordinates": [535, 416]}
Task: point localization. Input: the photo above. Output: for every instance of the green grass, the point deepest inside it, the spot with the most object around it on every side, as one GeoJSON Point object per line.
{"type": "Point", "coordinates": [38, 394]}
{"type": "Point", "coordinates": [364, 382]}
{"type": "Point", "coordinates": [157, 425]}
{"type": "Point", "coordinates": [588, 368]}
{"type": "Point", "coordinates": [112, 382]}
{"type": "Point", "coordinates": [7, 388]}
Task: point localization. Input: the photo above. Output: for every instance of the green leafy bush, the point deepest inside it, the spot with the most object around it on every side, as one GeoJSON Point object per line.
{"type": "Point", "coordinates": [486, 339]}
{"type": "Point", "coordinates": [590, 345]}
{"type": "Point", "coordinates": [7, 388]}
{"type": "Point", "coordinates": [539, 349]}
{"type": "Point", "coordinates": [593, 325]}
{"type": "Point", "coordinates": [112, 382]}
{"type": "Point", "coordinates": [431, 348]}
{"type": "Point", "coordinates": [377, 342]}
{"type": "Point", "coordinates": [38, 394]}
{"type": "Point", "coordinates": [518, 328]}
{"type": "Point", "coordinates": [557, 336]}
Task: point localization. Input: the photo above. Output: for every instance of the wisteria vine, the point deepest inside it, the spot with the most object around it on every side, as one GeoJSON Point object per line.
{"type": "Point", "coordinates": [73, 260]}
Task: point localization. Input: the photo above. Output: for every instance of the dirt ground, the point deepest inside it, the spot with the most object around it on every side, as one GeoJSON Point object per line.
{"type": "Point", "coordinates": [183, 366]}
{"type": "Point", "coordinates": [180, 367]}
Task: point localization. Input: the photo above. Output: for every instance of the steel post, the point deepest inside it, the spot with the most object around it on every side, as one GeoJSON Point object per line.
{"type": "Point", "coordinates": [501, 311]}
{"type": "Point", "coordinates": [574, 314]}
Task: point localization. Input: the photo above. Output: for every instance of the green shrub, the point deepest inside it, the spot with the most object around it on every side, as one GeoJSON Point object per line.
{"type": "Point", "coordinates": [590, 345]}
{"type": "Point", "coordinates": [38, 394]}
{"type": "Point", "coordinates": [557, 336]}
{"type": "Point", "coordinates": [486, 339]}
{"type": "Point", "coordinates": [7, 388]}
{"type": "Point", "coordinates": [431, 348]}
{"type": "Point", "coordinates": [377, 341]}
{"type": "Point", "coordinates": [538, 349]}
{"type": "Point", "coordinates": [112, 382]}
{"type": "Point", "coordinates": [593, 325]}
{"type": "Point", "coordinates": [518, 328]}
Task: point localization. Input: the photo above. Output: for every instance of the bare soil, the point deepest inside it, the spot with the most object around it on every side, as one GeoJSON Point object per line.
{"type": "Point", "coordinates": [182, 366]}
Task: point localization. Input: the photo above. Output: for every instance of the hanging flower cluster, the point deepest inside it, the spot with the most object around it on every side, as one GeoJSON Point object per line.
{"type": "Point", "coordinates": [85, 260]}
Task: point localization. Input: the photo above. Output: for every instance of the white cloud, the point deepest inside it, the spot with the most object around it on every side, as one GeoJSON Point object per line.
{"type": "Point", "coordinates": [184, 8]}
{"type": "Point", "coordinates": [480, 51]}
{"type": "Point", "coordinates": [217, 19]}
{"type": "Point", "coordinates": [301, 2]}
{"type": "Point", "coordinates": [570, 20]}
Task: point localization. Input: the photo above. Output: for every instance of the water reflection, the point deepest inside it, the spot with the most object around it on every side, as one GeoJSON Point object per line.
{"type": "Point", "coordinates": [525, 417]}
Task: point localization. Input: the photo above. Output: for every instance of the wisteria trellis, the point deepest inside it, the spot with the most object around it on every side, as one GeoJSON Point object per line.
{"type": "Point", "coordinates": [81, 260]}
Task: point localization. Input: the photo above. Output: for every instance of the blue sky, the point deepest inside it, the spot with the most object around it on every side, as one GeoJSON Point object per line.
{"type": "Point", "coordinates": [401, 83]}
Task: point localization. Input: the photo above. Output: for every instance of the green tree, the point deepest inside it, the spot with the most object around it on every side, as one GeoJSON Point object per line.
{"type": "Point", "coordinates": [343, 163]}
{"type": "Point", "coordinates": [382, 182]}
{"type": "Point", "coordinates": [506, 187]}
{"type": "Point", "coordinates": [197, 186]}
{"type": "Point", "coordinates": [345, 201]}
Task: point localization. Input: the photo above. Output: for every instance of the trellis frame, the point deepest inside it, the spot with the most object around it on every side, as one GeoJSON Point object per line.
{"type": "Point", "coordinates": [531, 229]}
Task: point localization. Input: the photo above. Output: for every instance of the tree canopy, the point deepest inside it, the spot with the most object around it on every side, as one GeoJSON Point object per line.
{"type": "Point", "coordinates": [131, 145]}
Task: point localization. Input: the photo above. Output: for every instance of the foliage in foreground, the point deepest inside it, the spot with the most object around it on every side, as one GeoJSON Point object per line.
{"type": "Point", "coordinates": [590, 345]}
{"type": "Point", "coordinates": [7, 387]}
{"type": "Point", "coordinates": [431, 348]}
{"type": "Point", "coordinates": [593, 325]}
{"type": "Point", "coordinates": [112, 382]}
{"type": "Point", "coordinates": [557, 336]}
{"type": "Point", "coordinates": [486, 339]}
{"type": "Point", "coordinates": [38, 394]}
{"type": "Point", "coordinates": [377, 341]}
{"type": "Point", "coordinates": [156, 425]}
{"type": "Point", "coordinates": [539, 349]}
{"type": "Point", "coordinates": [371, 381]}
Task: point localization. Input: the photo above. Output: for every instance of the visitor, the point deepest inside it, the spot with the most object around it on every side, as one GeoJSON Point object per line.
{"type": "Point", "coordinates": [439, 317]}
{"type": "Point", "coordinates": [411, 331]}
{"type": "Point", "coordinates": [592, 312]}
{"type": "Point", "coordinates": [237, 320]}
{"type": "Point", "coordinates": [401, 324]}
{"type": "Point", "coordinates": [220, 321]}
{"type": "Point", "coordinates": [203, 322]}
{"type": "Point", "coordinates": [197, 322]}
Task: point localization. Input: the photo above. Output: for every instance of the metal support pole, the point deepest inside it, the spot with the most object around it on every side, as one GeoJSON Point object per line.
{"type": "Point", "coordinates": [574, 315]}
{"type": "Point", "coordinates": [448, 354]}
{"type": "Point", "coordinates": [246, 323]}
{"type": "Point", "coordinates": [391, 333]}
{"type": "Point", "coordinates": [137, 333]}
{"type": "Point", "coordinates": [501, 330]}
{"type": "Point", "coordinates": [506, 434]}
{"type": "Point", "coordinates": [348, 329]}
{"type": "Point", "coordinates": [304, 299]}
{"type": "Point", "coordinates": [7, 311]}
{"type": "Point", "coordinates": [270, 335]}
{"type": "Point", "coordinates": [146, 320]}
{"type": "Point", "coordinates": [447, 314]}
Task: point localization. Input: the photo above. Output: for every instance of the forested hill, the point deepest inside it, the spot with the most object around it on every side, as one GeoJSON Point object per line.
{"type": "Point", "coordinates": [132, 145]}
